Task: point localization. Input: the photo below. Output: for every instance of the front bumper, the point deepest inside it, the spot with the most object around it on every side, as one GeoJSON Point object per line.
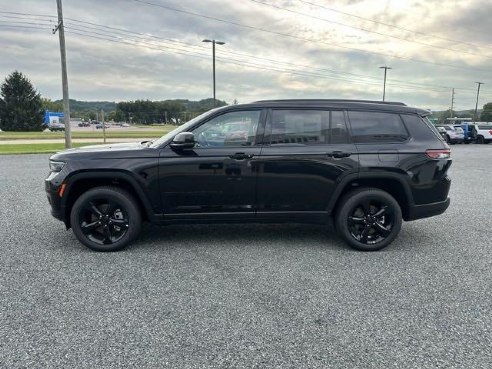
{"type": "Point", "coordinates": [54, 199]}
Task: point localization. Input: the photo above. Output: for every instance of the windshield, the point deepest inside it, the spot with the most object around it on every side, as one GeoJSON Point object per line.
{"type": "Point", "coordinates": [181, 128]}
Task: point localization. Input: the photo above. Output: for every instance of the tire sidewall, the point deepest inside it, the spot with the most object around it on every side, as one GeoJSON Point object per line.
{"type": "Point", "coordinates": [123, 199]}
{"type": "Point", "coordinates": [347, 205]}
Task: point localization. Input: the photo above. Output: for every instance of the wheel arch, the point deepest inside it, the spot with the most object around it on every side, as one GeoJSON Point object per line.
{"type": "Point", "coordinates": [82, 182]}
{"type": "Point", "coordinates": [391, 183]}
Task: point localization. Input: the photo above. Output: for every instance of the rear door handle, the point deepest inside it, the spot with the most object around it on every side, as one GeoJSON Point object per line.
{"type": "Point", "coordinates": [241, 156]}
{"type": "Point", "coordinates": [339, 154]}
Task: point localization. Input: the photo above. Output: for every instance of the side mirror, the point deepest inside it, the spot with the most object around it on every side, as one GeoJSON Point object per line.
{"type": "Point", "coordinates": [183, 141]}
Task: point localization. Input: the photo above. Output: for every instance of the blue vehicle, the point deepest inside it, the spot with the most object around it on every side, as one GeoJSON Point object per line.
{"type": "Point", "coordinates": [470, 133]}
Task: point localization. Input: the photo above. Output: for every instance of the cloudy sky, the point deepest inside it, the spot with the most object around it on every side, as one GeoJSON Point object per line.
{"type": "Point", "coordinates": [152, 49]}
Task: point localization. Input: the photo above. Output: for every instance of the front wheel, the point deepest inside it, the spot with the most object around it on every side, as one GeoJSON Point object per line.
{"type": "Point", "coordinates": [105, 219]}
{"type": "Point", "coordinates": [368, 219]}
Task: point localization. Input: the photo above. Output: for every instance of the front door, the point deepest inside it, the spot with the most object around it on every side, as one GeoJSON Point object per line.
{"type": "Point", "coordinates": [217, 178]}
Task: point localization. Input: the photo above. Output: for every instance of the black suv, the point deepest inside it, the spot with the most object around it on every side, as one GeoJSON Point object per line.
{"type": "Point", "coordinates": [362, 165]}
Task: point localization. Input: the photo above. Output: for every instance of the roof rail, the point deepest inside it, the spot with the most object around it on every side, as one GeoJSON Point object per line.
{"type": "Point", "coordinates": [334, 101]}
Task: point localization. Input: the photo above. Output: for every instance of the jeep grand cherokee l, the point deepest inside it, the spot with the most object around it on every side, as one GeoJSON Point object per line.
{"type": "Point", "coordinates": [363, 165]}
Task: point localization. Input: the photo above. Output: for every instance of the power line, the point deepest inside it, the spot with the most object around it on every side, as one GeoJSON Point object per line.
{"type": "Point", "coordinates": [30, 14]}
{"type": "Point", "coordinates": [146, 36]}
{"type": "Point", "coordinates": [22, 23]}
{"type": "Point", "coordinates": [367, 30]}
{"type": "Point", "coordinates": [228, 61]}
{"type": "Point", "coordinates": [252, 65]}
{"type": "Point", "coordinates": [22, 27]}
{"type": "Point", "coordinates": [391, 25]}
{"type": "Point", "coordinates": [234, 23]}
{"type": "Point", "coordinates": [303, 38]}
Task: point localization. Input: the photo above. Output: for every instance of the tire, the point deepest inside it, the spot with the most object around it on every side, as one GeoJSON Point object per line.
{"type": "Point", "coordinates": [106, 219]}
{"type": "Point", "coordinates": [448, 139]}
{"type": "Point", "coordinates": [368, 219]}
{"type": "Point", "coordinates": [480, 140]}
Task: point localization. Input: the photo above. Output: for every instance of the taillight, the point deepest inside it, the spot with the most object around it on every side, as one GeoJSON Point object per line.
{"type": "Point", "coordinates": [438, 154]}
{"type": "Point", "coordinates": [490, 132]}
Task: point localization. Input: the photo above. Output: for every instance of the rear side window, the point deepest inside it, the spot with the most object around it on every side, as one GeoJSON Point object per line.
{"type": "Point", "coordinates": [377, 127]}
{"type": "Point", "coordinates": [307, 127]}
{"type": "Point", "coordinates": [421, 128]}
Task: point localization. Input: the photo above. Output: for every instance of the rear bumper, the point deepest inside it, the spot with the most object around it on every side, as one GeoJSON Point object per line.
{"type": "Point", "coordinates": [428, 210]}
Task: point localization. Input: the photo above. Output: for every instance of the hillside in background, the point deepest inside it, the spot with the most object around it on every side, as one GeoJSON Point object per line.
{"type": "Point", "coordinates": [138, 111]}
{"type": "Point", "coordinates": [109, 106]}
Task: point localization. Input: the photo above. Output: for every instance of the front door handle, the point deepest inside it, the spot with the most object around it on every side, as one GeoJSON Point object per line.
{"type": "Point", "coordinates": [339, 154]}
{"type": "Point", "coordinates": [241, 156]}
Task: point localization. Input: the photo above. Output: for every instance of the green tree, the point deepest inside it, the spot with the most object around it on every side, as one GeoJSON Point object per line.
{"type": "Point", "coordinates": [20, 105]}
{"type": "Point", "coordinates": [50, 105]}
{"type": "Point", "coordinates": [486, 115]}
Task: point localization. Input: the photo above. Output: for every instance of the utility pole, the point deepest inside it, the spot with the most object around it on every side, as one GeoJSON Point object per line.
{"type": "Point", "coordinates": [476, 104]}
{"type": "Point", "coordinates": [66, 104]}
{"type": "Point", "coordinates": [384, 85]}
{"type": "Point", "coordinates": [104, 125]}
{"type": "Point", "coordinates": [452, 102]}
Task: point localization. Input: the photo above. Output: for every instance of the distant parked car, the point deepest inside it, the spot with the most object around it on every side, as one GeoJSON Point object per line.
{"type": "Point", "coordinates": [100, 126]}
{"type": "Point", "coordinates": [484, 132]}
{"type": "Point", "coordinates": [469, 132]}
{"type": "Point", "coordinates": [125, 125]}
{"type": "Point", "coordinates": [84, 124]}
{"type": "Point", "coordinates": [56, 127]}
{"type": "Point", "coordinates": [453, 134]}
{"type": "Point", "coordinates": [442, 131]}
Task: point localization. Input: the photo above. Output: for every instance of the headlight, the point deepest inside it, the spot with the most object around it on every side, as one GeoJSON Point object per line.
{"type": "Point", "coordinates": [56, 166]}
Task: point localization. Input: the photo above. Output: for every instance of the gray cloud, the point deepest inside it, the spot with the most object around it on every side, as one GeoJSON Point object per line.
{"type": "Point", "coordinates": [252, 64]}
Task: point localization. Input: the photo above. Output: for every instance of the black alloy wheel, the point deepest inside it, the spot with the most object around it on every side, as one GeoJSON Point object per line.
{"type": "Point", "coordinates": [369, 219]}
{"type": "Point", "coordinates": [105, 219]}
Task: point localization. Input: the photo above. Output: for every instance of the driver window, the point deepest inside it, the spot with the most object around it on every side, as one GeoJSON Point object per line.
{"type": "Point", "coordinates": [230, 129]}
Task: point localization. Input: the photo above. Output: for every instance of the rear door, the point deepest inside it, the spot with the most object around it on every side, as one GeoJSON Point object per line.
{"type": "Point", "coordinates": [306, 152]}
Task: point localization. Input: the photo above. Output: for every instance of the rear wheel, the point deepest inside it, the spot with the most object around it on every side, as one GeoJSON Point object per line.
{"type": "Point", "coordinates": [105, 219]}
{"type": "Point", "coordinates": [480, 140]}
{"type": "Point", "coordinates": [368, 219]}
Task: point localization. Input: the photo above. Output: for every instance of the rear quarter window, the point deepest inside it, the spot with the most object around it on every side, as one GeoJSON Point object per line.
{"type": "Point", "coordinates": [421, 128]}
{"type": "Point", "coordinates": [370, 127]}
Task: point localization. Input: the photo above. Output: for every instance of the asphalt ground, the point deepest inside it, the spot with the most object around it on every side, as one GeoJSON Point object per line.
{"type": "Point", "coordinates": [247, 296]}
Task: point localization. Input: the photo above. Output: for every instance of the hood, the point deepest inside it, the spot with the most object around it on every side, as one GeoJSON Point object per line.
{"type": "Point", "coordinates": [109, 149]}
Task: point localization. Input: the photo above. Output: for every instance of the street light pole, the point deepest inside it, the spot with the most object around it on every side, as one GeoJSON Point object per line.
{"type": "Point", "coordinates": [476, 104]}
{"type": "Point", "coordinates": [384, 85]}
{"type": "Point", "coordinates": [213, 60]}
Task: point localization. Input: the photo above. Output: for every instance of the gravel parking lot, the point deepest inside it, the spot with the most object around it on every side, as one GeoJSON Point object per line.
{"type": "Point", "coordinates": [244, 296]}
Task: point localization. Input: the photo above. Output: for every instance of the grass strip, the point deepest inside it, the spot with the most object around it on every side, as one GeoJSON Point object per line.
{"type": "Point", "coordinates": [42, 148]}
{"type": "Point", "coordinates": [116, 133]}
